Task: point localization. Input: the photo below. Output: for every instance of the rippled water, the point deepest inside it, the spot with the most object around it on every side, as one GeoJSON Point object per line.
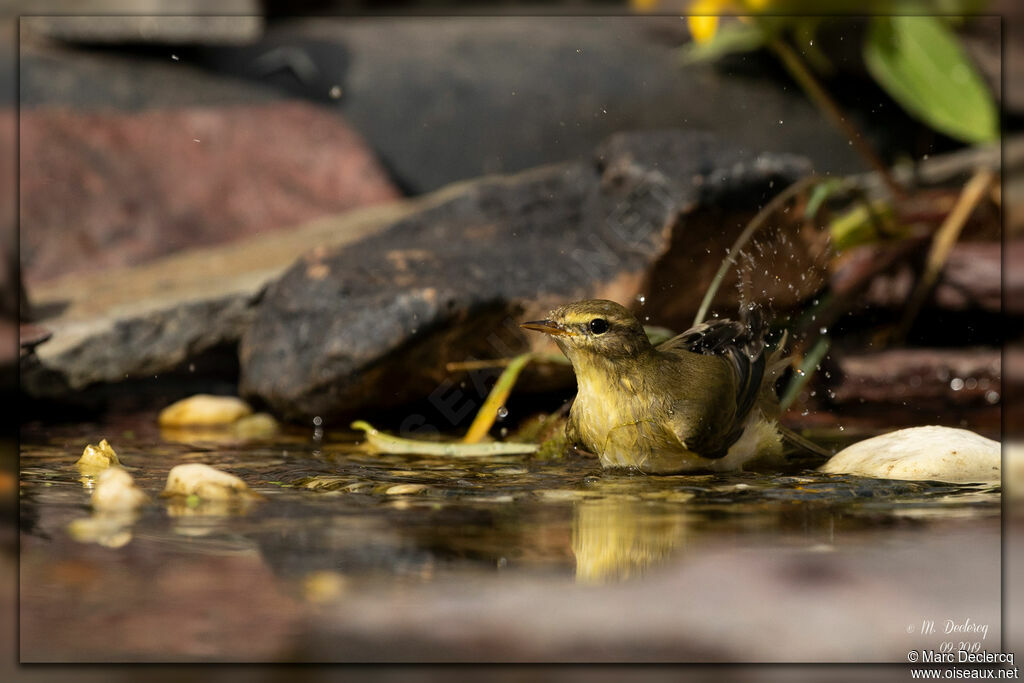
{"type": "Point", "coordinates": [334, 520]}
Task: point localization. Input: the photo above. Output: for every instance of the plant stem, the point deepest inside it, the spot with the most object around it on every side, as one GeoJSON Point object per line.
{"type": "Point", "coordinates": [803, 76]}
{"type": "Point", "coordinates": [945, 238]}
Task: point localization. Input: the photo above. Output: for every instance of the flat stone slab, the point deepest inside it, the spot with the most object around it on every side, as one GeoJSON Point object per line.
{"type": "Point", "coordinates": [132, 322]}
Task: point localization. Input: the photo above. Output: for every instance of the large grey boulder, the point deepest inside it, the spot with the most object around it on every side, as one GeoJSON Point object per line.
{"type": "Point", "coordinates": [443, 100]}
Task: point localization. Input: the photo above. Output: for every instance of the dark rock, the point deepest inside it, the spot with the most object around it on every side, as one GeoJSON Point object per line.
{"type": "Point", "coordinates": [54, 76]}
{"type": "Point", "coordinates": [374, 323]}
{"type": "Point", "coordinates": [971, 280]}
{"type": "Point", "coordinates": [239, 22]}
{"type": "Point", "coordinates": [102, 189]}
{"type": "Point", "coordinates": [442, 101]}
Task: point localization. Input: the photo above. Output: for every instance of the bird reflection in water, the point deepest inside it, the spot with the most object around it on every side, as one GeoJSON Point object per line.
{"type": "Point", "coordinates": [615, 539]}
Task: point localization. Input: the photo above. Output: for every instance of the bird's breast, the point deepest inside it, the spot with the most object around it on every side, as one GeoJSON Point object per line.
{"type": "Point", "coordinates": [616, 420]}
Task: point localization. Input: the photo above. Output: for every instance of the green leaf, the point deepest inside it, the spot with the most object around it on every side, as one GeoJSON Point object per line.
{"type": "Point", "coordinates": [734, 37]}
{"type": "Point", "coordinates": [863, 224]}
{"type": "Point", "coordinates": [919, 62]}
{"type": "Point", "coordinates": [821, 192]}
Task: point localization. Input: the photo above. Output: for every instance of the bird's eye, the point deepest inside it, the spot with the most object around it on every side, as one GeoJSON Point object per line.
{"type": "Point", "coordinates": [598, 325]}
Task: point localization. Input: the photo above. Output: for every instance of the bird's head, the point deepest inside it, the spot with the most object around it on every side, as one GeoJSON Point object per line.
{"type": "Point", "coordinates": [594, 328]}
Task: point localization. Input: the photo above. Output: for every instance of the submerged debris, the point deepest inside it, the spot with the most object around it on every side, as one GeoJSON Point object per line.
{"type": "Point", "coordinates": [95, 459]}
{"type": "Point", "coordinates": [405, 489]}
{"type": "Point", "coordinates": [324, 586]}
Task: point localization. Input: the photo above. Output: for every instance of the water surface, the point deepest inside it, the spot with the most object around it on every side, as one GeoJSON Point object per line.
{"type": "Point", "coordinates": [243, 581]}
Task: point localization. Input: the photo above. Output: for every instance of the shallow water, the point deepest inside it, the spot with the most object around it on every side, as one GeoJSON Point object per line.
{"type": "Point", "coordinates": [336, 523]}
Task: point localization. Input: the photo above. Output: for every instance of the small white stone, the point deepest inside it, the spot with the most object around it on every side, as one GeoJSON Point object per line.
{"type": "Point", "coordinates": [116, 491]}
{"type": "Point", "coordinates": [1014, 483]}
{"type": "Point", "coordinates": [256, 426]}
{"type": "Point", "coordinates": [922, 453]}
{"type": "Point", "coordinates": [204, 481]}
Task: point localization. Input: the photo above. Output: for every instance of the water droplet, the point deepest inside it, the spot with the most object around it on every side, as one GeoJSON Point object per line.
{"type": "Point", "coordinates": [992, 396]}
{"type": "Point", "coordinates": [502, 413]}
{"type": "Point", "coordinates": [956, 384]}
{"type": "Point", "coordinates": [641, 298]}
{"type": "Point", "coordinates": [823, 330]}
{"type": "Point", "coordinates": [317, 421]}
{"type": "Point", "coordinates": [971, 384]}
{"type": "Point", "coordinates": [842, 428]}
{"type": "Point", "coordinates": [175, 58]}
{"type": "Point", "coordinates": [780, 122]}
{"type": "Point", "coordinates": [335, 92]}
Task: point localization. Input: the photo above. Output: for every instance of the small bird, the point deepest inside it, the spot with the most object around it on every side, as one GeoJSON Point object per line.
{"type": "Point", "coordinates": [703, 400]}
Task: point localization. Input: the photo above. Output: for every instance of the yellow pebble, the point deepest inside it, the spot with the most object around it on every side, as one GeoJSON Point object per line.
{"type": "Point", "coordinates": [204, 410]}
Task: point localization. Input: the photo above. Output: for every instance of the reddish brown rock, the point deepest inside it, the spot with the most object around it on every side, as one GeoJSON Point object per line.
{"type": "Point", "coordinates": [921, 378]}
{"type": "Point", "coordinates": [104, 188]}
{"type": "Point", "coordinates": [973, 279]}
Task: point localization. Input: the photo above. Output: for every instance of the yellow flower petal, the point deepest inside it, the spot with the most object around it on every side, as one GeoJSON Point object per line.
{"type": "Point", "coordinates": [644, 5]}
{"type": "Point", "coordinates": [702, 28]}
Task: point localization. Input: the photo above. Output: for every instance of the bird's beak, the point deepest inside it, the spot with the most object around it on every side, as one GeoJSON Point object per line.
{"type": "Point", "coordinates": [546, 326]}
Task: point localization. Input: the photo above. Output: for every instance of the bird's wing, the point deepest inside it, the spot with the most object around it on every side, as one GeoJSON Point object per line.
{"type": "Point", "coordinates": [741, 345]}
